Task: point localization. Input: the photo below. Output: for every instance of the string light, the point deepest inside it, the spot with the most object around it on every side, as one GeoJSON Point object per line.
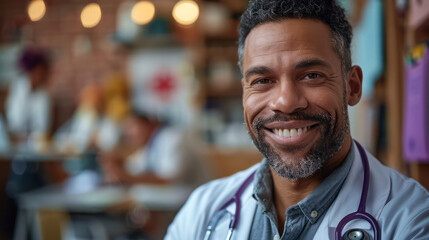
{"type": "Point", "coordinates": [186, 12]}
{"type": "Point", "coordinates": [36, 10]}
{"type": "Point", "coordinates": [143, 12]}
{"type": "Point", "coordinates": [91, 15]}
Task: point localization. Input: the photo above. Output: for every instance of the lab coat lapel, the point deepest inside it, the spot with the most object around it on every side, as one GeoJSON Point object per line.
{"type": "Point", "coordinates": [348, 198]}
{"type": "Point", "coordinates": [247, 212]}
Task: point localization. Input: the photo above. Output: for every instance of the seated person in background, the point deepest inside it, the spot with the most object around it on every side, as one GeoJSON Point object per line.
{"type": "Point", "coordinates": [28, 105]}
{"type": "Point", "coordinates": [152, 153]}
{"type": "Point", "coordinates": [77, 135]}
{"type": "Point", "coordinates": [98, 119]}
{"type": "Point", "coordinates": [117, 108]}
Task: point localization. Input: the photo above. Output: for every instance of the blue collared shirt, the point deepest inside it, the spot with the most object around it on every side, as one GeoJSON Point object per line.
{"type": "Point", "coordinates": [302, 219]}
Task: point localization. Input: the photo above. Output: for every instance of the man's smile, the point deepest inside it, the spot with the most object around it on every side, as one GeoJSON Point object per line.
{"type": "Point", "coordinates": [296, 133]}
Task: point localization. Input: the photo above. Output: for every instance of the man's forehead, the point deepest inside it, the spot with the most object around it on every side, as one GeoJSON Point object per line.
{"type": "Point", "coordinates": [290, 31]}
{"type": "Point", "coordinates": [299, 35]}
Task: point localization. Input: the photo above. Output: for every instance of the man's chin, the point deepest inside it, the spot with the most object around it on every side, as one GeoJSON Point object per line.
{"type": "Point", "coordinates": [294, 168]}
{"type": "Point", "coordinates": [293, 152]}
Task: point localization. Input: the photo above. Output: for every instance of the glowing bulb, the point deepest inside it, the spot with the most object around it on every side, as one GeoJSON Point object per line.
{"type": "Point", "coordinates": [186, 12]}
{"type": "Point", "coordinates": [36, 10]}
{"type": "Point", "coordinates": [91, 15]}
{"type": "Point", "coordinates": [143, 12]}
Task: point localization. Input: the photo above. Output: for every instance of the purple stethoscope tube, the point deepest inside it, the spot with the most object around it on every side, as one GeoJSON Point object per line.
{"type": "Point", "coordinates": [234, 217]}
{"type": "Point", "coordinates": [359, 214]}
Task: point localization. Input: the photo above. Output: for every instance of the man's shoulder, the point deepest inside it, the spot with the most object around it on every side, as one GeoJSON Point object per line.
{"type": "Point", "coordinates": [402, 185]}
{"type": "Point", "coordinates": [406, 211]}
{"type": "Point", "coordinates": [210, 196]}
{"type": "Point", "coordinates": [203, 203]}
{"type": "Point", "coordinates": [224, 186]}
{"type": "Point", "coordinates": [398, 183]}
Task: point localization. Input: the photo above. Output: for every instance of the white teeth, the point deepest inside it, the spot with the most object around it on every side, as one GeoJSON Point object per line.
{"type": "Point", "coordinates": [286, 133]}
{"type": "Point", "coordinates": [290, 132]}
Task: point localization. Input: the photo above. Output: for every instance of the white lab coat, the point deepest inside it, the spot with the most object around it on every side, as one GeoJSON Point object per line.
{"type": "Point", "coordinates": [27, 111]}
{"type": "Point", "coordinates": [400, 205]}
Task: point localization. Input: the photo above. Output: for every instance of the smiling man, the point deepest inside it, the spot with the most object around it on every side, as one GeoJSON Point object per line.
{"type": "Point", "coordinates": [294, 96]}
{"type": "Point", "coordinates": [298, 82]}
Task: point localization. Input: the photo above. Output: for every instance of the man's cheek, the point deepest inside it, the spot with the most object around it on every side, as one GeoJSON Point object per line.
{"type": "Point", "coordinates": [253, 106]}
{"type": "Point", "coordinates": [247, 121]}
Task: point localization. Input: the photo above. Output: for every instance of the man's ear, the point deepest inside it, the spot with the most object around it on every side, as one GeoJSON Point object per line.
{"type": "Point", "coordinates": [354, 85]}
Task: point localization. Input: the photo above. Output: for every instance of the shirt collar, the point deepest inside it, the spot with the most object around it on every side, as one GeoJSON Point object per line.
{"type": "Point", "coordinates": [316, 203]}
{"type": "Point", "coordinates": [263, 186]}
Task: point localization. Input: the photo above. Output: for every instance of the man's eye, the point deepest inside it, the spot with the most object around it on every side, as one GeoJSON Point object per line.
{"type": "Point", "coordinates": [262, 81]}
{"type": "Point", "coordinates": [312, 76]}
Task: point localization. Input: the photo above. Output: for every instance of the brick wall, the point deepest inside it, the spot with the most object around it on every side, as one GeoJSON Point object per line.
{"type": "Point", "coordinates": [59, 31]}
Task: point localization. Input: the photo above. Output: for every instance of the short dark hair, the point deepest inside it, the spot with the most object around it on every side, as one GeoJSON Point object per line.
{"type": "Point", "coordinates": [327, 11]}
{"type": "Point", "coordinates": [31, 57]}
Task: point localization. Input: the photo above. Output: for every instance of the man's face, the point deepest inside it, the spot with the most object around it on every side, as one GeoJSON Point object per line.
{"type": "Point", "coordinates": [39, 75]}
{"type": "Point", "coordinates": [294, 95]}
{"type": "Point", "coordinates": [137, 131]}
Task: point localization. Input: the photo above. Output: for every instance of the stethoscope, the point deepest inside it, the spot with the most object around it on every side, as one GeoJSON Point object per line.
{"type": "Point", "coordinates": [354, 234]}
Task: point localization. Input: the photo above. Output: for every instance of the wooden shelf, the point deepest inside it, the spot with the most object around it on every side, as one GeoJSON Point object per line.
{"type": "Point", "coordinates": [399, 37]}
{"type": "Point", "coordinates": [230, 32]}
{"type": "Point", "coordinates": [232, 91]}
{"type": "Point", "coordinates": [227, 161]}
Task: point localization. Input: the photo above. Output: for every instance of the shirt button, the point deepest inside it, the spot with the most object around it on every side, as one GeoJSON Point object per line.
{"type": "Point", "coordinates": [313, 214]}
{"type": "Point", "coordinates": [276, 237]}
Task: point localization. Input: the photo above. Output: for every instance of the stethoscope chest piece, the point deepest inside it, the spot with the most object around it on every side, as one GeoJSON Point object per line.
{"type": "Point", "coordinates": [356, 234]}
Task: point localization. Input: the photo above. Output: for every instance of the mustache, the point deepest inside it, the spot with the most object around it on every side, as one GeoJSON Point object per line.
{"type": "Point", "coordinates": [326, 119]}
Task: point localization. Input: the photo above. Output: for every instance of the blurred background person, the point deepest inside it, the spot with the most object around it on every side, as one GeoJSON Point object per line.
{"type": "Point", "coordinates": [117, 107]}
{"type": "Point", "coordinates": [77, 135]}
{"type": "Point", "coordinates": [28, 105]}
{"type": "Point", "coordinates": [28, 122]}
{"type": "Point", "coordinates": [153, 152]}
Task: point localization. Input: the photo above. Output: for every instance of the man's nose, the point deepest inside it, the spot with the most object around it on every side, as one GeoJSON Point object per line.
{"type": "Point", "coordinates": [288, 98]}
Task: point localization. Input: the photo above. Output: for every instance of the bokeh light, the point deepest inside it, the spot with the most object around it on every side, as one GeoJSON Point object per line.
{"type": "Point", "coordinates": [36, 10]}
{"type": "Point", "coordinates": [143, 12]}
{"type": "Point", "coordinates": [186, 12]}
{"type": "Point", "coordinates": [91, 15]}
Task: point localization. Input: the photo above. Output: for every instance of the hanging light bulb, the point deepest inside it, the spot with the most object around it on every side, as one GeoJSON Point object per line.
{"type": "Point", "coordinates": [186, 12]}
{"type": "Point", "coordinates": [91, 15]}
{"type": "Point", "coordinates": [143, 12]}
{"type": "Point", "coordinates": [36, 10]}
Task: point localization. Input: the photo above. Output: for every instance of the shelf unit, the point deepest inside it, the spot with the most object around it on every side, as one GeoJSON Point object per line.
{"type": "Point", "coordinates": [401, 35]}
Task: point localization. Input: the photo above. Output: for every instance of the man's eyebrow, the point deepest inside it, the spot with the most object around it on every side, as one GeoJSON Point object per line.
{"type": "Point", "coordinates": [257, 70]}
{"type": "Point", "coordinates": [311, 63]}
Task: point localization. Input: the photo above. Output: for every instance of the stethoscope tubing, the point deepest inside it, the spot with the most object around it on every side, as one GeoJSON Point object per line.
{"type": "Point", "coordinates": [361, 212]}
{"type": "Point", "coordinates": [234, 217]}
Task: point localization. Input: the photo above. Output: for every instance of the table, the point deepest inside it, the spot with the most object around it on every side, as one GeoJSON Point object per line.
{"type": "Point", "coordinates": [104, 198]}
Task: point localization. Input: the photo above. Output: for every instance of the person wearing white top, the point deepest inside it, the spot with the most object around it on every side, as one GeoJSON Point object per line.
{"type": "Point", "coordinates": [153, 153]}
{"type": "Point", "coordinates": [28, 105]}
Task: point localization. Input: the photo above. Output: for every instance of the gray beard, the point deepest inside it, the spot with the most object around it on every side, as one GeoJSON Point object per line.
{"type": "Point", "coordinates": [333, 137]}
